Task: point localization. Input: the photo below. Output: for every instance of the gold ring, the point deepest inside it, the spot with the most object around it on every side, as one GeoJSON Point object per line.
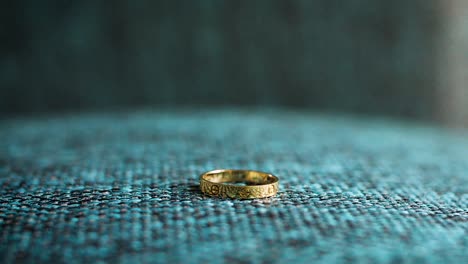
{"type": "Point", "coordinates": [226, 184]}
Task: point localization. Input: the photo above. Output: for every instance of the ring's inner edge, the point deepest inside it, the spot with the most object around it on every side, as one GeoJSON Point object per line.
{"type": "Point", "coordinates": [240, 177]}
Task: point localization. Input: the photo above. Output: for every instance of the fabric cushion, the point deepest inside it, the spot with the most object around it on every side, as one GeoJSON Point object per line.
{"type": "Point", "coordinates": [124, 187]}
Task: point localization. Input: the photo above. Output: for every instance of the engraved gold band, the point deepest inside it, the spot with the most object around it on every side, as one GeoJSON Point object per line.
{"type": "Point", "coordinates": [222, 183]}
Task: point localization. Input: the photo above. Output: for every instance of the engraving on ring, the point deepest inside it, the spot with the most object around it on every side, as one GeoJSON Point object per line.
{"type": "Point", "coordinates": [215, 189]}
{"type": "Point", "coordinates": [231, 192]}
{"type": "Point", "coordinates": [244, 193]}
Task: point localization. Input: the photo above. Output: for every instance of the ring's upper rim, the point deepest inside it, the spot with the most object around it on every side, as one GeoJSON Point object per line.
{"type": "Point", "coordinates": [217, 171]}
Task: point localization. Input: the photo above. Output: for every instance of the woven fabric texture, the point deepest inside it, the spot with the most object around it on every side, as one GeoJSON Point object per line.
{"type": "Point", "coordinates": [123, 188]}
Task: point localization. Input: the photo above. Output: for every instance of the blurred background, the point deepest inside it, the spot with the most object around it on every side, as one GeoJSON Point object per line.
{"type": "Point", "coordinates": [404, 59]}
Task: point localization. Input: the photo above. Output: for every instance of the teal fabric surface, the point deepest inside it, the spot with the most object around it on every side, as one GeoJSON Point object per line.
{"type": "Point", "coordinates": [123, 187]}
